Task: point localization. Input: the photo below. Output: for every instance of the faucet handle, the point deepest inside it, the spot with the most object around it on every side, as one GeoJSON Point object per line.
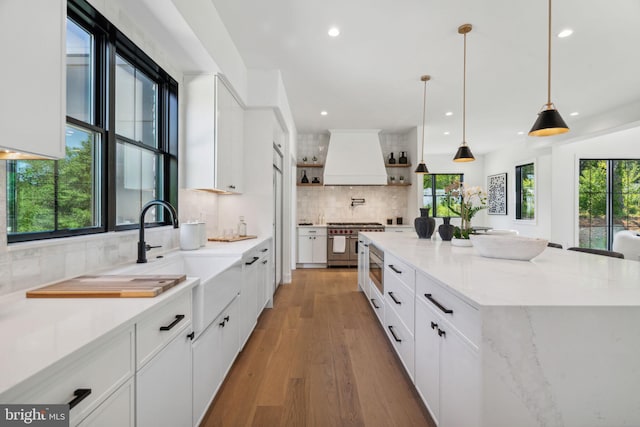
{"type": "Point", "coordinates": [149, 247]}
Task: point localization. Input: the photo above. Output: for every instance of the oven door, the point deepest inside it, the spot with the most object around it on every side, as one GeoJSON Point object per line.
{"type": "Point", "coordinates": [376, 267]}
{"type": "Point", "coordinates": [337, 259]}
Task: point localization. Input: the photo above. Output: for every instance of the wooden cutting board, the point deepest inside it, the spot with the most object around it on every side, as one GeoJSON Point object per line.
{"type": "Point", "coordinates": [109, 286]}
{"type": "Point", "coordinates": [231, 239]}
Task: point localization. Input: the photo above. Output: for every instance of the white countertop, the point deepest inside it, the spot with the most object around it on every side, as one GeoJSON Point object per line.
{"type": "Point", "coordinates": [554, 278]}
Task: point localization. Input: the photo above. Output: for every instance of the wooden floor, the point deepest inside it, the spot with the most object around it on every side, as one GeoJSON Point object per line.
{"type": "Point", "coordinates": [318, 358]}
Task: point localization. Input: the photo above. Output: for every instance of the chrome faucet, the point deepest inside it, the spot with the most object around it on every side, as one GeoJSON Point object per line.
{"type": "Point", "coordinates": [142, 245]}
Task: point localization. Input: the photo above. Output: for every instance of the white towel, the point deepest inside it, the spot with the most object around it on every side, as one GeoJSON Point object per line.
{"type": "Point", "coordinates": [339, 244]}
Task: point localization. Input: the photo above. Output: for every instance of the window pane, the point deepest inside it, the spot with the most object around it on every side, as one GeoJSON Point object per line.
{"type": "Point", "coordinates": [626, 195]}
{"type": "Point", "coordinates": [138, 178]}
{"type": "Point", "coordinates": [136, 104]}
{"type": "Point", "coordinates": [526, 192]}
{"type": "Point", "coordinates": [36, 187]}
{"type": "Point", "coordinates": [79, 73]}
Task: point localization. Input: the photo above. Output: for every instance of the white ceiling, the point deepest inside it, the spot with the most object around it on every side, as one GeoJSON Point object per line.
{"type": "Point", "coordinates": [369, 76]}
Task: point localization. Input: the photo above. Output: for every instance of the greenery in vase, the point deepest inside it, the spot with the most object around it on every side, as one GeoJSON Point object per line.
{"type": "Point", "coordinates": [465, 202]}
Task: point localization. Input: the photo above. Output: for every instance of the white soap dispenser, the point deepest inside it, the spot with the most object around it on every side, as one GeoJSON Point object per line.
{"type": "Point", "coordinates": [242, 227]}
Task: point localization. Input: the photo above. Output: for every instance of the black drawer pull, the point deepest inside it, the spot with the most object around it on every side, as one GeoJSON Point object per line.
{"type": "Point", "coordinates": [437, 304]}
{"type": "Point", "coordinates": [395, 269]}
{"type": "Point", "coordinates": [80, 394]}
{"type": "Point", "coordinates": [265, 261]}
{"type": "Point", "coordinates": [226, 318]}
{"type": "Point", "coordinates": [264, 250]}
{"type": "Point", "coordinates": [434, 325]}
{"type": "Point", "coordinates": [255, 258]}
{"type": "Point", "coordinates": [191, 336]}
{"type": "Point", "coordinates": [373, 302]}
{"type": "Point", "coordinates": [442, 333]}
{"type": "Point", "coordinates": [395, 337]}
{"type": "Point", "coordinates": [170, 326]}
{"type": "Point", "coordinates": [394, 298]}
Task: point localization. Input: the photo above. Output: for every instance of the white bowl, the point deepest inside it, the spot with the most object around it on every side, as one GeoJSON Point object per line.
{"type": "Point", "coordinates": [496, 231]}
{"type": "Point", "coordinates": [508, 246]}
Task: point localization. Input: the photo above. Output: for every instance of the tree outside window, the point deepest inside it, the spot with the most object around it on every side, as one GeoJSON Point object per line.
{"type": "Point", "coordinates": [525, 192]}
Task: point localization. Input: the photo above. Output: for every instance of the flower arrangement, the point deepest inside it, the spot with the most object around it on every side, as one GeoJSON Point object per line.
{"type": "Point", "coordinates": [471, 201]}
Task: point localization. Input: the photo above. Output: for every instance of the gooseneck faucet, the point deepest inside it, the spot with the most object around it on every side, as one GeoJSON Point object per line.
{"type": "Point", "coordinates": [142, 245]}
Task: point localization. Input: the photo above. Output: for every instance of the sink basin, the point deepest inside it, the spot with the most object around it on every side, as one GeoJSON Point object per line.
{"type": "Point", "coordinates": [507, 246]}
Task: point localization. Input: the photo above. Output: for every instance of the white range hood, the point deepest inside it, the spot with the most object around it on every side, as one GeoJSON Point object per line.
{"type": "Point", "coordinates": [354, 157]}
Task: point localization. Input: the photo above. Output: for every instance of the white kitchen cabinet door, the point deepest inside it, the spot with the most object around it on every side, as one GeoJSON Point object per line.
{"type": "Point", "coordinates": [207, 369]}
{"type": "Point", "coordinates": [319, 250]}
{"type": "Point", "coordinates": [305, 249]}
{"type": "Point", "coordinates": [32, 40]}
{"type": "Point", "coordinates": [229, 140]}
{"type": "Point", "coordinates": [264, 282]}
{"type": "Point", "coordinates": [248, 299]}
{"type": "Point", "coordinates": [163, 391]}
{"type": "Point", "coordinates": [427, 358]}
{"type": "Point", "coordinates": [117, 410]}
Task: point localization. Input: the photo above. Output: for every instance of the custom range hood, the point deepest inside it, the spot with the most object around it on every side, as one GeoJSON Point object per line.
{"type": "Point", "coordinates": [354, 157]}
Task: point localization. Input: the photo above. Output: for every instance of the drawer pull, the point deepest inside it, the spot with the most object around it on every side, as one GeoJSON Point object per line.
{"type": "Point", "coordinates": [437, 304]}
{"type": "Point", "coordinates": [394, 298]}
{"type": "Point", "coordinates": [373, 302]}
{"type": "Point", "coordinates": [170, 326]}
{"type": "Point", "coordinates": [255, 258]}
{"type": "Point", "coordinates": [265, 261]}
{"type": "Point", "coordinates": [395, 269]}
{"type": "Point", "coordinates": [442, 333]}
{"type": "Point", "coordinates": [434, 325]}
{"type": "Point", "coordinates": [191, 336]}
{"type": "Point", "coordinates": [395, 337]}
{"type": "Point", "coordinates": [264, 250]}
{"type": "Point", "coordinates": [225, 319]}
{"type": "Point", "coordinates": [80, 394]}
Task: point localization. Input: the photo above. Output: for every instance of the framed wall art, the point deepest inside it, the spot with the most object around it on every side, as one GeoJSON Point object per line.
{"type": "Point", "coordinates": [497, 194]}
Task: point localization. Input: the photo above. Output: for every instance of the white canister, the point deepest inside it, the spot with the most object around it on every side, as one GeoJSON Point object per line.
{"type": "Point", "coordinates": [189, 236]}
{"type": "Point", "coordinates": [202, 227]}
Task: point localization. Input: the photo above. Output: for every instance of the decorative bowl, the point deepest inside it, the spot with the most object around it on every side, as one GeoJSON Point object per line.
{"type": "Point", "coordinates": [508, 246]}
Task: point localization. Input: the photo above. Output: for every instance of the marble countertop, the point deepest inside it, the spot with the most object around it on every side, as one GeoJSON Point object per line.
{"type": "Point", "coordinates": [554, 278]}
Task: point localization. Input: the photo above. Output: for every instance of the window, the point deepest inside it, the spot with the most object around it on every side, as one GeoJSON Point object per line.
{"type": "Point", "coordinates": [105, 177]}
{"type": "Point", "coordinates": [609, 200]}
{"type": "Point", "coordinates": [526, 192]}
{"type": "Point", "coordinates": [434, 194]}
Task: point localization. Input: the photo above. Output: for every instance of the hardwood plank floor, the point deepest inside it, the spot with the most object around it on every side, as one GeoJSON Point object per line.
{"type": "Point", "coordinates": [319, 358]}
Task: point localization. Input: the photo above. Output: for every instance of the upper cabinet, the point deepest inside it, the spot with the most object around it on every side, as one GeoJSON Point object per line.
{"type": "Point", "coordinates": [33, 101]}
{"type": "Point", "coordinates": [214, 135]}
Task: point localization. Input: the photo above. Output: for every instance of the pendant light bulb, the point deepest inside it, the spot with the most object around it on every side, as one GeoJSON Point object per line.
{"type": "Point", "coordinates": [549, 121]}
{"type": "Point", "coordinates": [422, 167]}
{"type": "Point", "coordinates": [464, 153]}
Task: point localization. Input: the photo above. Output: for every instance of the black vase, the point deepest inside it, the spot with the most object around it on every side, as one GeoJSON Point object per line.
{"type": "Point", "coordinates": [446, 230]}
{"type": "Point", "coordinates": [424, 224]}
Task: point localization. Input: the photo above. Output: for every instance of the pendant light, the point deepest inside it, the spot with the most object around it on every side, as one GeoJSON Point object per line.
{"type": "Point", "coordinates": [422, 167]}
{"type": "Point", "coordinates": [549, 121]}
{"type": "Point", "coordinates": [464, 152]}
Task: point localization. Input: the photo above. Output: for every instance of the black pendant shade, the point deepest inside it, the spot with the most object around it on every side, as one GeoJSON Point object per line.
{"type": "Point", "coordinates": [549, 122]}
{"type": "Point", "coordinates": [463, 154]}
{"type": "Point", "coordinates": [422, 168]}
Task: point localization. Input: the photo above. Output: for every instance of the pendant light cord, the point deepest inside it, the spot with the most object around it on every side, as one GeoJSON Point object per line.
{"type": "Point", "coordinates": [424, 113]}
{"type": "Point", "coordinates": [464, 93]}
{"type": "Point", "coordinates": [549, 61]}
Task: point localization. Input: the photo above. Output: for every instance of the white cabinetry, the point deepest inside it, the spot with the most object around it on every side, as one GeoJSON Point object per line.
{"type": "Point", "coordinates": [265, 279]}
{"type": "Point", "coordinates": [35, 75]}
{"type": "Point", "coordinates": [363, 265]}
{"type": "Point", "coordinates": [163, 379]}
{"type": "Point", "coordinates": [312, 245]}
{"type": "Point", "coordinates": [214, 135]}
{"type": "Point", "coordinates": [447, 361]}
{"type": "Point", "coordinates": [117, 410]}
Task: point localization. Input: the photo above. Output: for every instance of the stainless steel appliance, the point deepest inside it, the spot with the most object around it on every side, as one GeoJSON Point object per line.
{"type": "Point", "coordinates": [349, 231]}
{"type": "Point", "coordinates": [376, 267]}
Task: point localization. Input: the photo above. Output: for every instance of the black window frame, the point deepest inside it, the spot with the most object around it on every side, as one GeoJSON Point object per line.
{"type": "Point", "coordinates": [109, 41]}
{"type": "Point", "coordinates": [519, 191]}
{"type": "Point", "coordinates": [434, 196]}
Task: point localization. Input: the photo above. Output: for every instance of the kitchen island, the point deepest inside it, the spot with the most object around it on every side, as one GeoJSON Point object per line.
{"type": "Point", "coordinates": [553, 341]}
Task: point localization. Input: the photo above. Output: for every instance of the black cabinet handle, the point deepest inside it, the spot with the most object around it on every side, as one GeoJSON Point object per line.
{"type": "Point", "coordinates": [395, 337]}
{"type": "Point", "coordinates": [80, 394]}
{"type": "Point", "coordinates": [224, 322]}
{"type": "Point", "coordinates": [232, 186]}
{"type": "Point", "coordinates": [395, 269]}
{"type": "Point", "coordinates": [265, 261]}
{"type": "Point", "coordinates": [437, 304]}
{"type": "Point", "coordinates": [373, 302]}
{"type": "Point", "coordinates": [226, 318]}
{"type": "Point", "coordinates": [442, 333]}
{"type": "Point", "coordinates": [170, 326]}
{"type": "Point", "coordinates": [191, 336]}
{"type": "Point", "coordinates": [264, 250]}
{"type": "Point", "coordinates": [434, 325]}
{"type": "Point", "coordinates": [255, 258]}
{"type": "Point", "coordinates": [366, 246]}
{"type": "Point", "coordinates": [394, 298]}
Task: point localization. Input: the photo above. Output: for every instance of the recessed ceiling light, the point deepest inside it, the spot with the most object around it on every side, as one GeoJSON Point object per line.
{"type": "Point", "coordinates": [575, 113]}
{"type": "Point", "coordinates": [565, 33]}
{"type": "Point", "coordinates": [520, 133]}
{"type": "Point", "coordinates": [334, 32]}
{"type": "Point", "coordinates": [323, 113]}
{"type": "Point", "coordinates": [448, 113]}
{"type": "Point", "coordinates": [447, 133]}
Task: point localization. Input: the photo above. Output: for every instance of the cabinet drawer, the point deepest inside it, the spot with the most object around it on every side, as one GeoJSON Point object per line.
{"type": "Point", "coordinates": [376, 300]}
{"type": "Point", "coordinates": [401, 339]}
{"type": "Point", "coordinates": [101, 370]}
{"type": "Point", "coordinates": [158, 328]}
{"type": "Point", "coordinates": [400, 269]}
{"type": "Point", "coordinates": [312, 231]}
{"type": "Point", "coordinates": [462, 316]}
{"type": "Point", "coordinates": [117, 410]}
{"type": "Point", "coordinates": [401, 299]}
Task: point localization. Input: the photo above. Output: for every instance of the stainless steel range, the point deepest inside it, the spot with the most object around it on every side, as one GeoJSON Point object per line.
{"type": "Point", "coordinates": [342, 242]}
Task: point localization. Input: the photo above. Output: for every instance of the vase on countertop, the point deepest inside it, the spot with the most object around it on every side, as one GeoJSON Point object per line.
{"type": "Point", "coordinates": [445, 230]}
{"type": "Point", "coordinates": [461, 242]}
{"type": "Point", "coordinates": [424, 224]}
